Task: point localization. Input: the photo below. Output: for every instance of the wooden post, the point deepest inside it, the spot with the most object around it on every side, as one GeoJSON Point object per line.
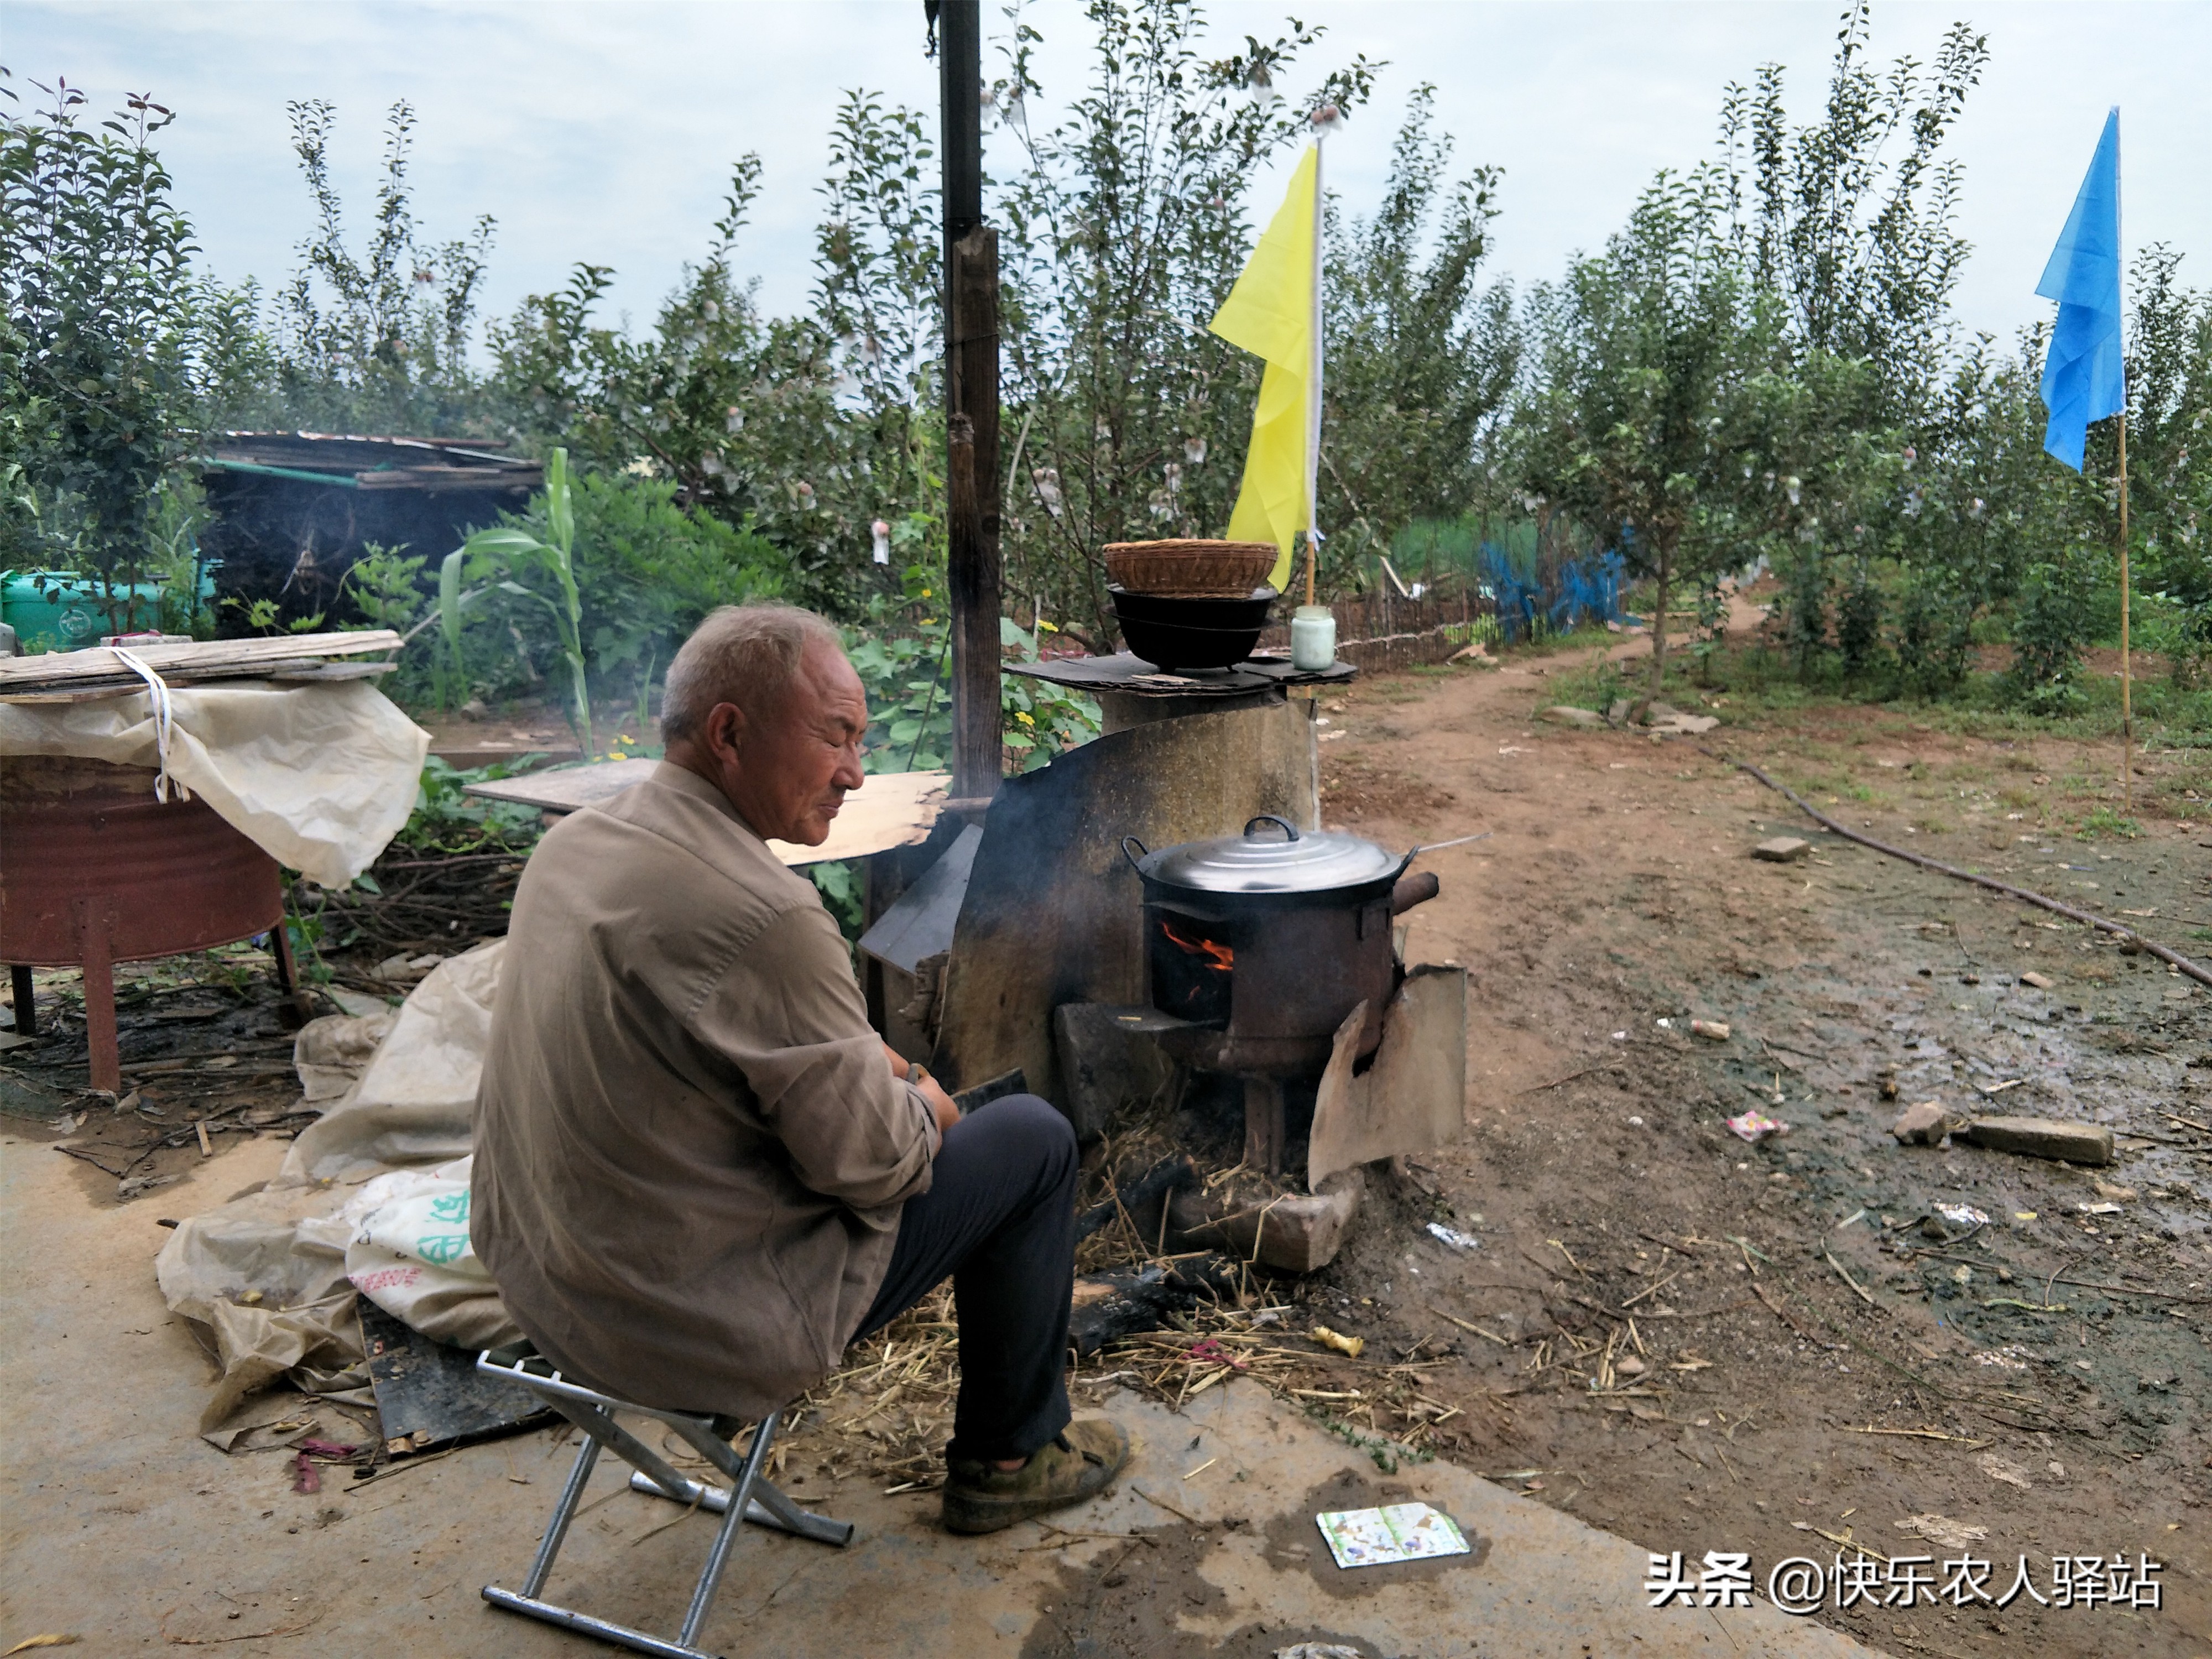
{"type": "Point", "coordinates": [2127, 701]}
{"type": "Point", "coordinates": [96, 918]}
{"type": "Point", "coordinates": [26, 1004]}
{"type": "Point", "coordinates": [288, 976]}
{"type": "Point", "coordinates": [1264, 1130]}
{"type": "Point", "coordinates": [971, 409]}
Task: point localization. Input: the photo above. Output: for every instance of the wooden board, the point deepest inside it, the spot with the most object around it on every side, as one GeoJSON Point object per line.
{"type": "Point", "coordinates": [568, 788]}
{"type": "Point", "coordinates": [69, 670]}
{"type": "Point", "coordinates": [293, 671]}
{"type": "Point", "coordinates": [1125, 672]}
{"type": "Point", "coordinates": [430, 1394]}
{"type": "Point", "coordinates": [891, 809]}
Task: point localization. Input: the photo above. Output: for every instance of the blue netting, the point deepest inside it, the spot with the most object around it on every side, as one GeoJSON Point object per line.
{"type": "Point", "coordinates": [1577, 590]}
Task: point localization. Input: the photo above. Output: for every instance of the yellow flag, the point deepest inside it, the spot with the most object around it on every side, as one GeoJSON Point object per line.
{"type": "Point", "coordinates": [1270, 314]}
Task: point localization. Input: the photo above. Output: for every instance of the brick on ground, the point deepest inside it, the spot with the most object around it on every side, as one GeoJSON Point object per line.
{"type": "Point", "coordinates": [2043, 1137]}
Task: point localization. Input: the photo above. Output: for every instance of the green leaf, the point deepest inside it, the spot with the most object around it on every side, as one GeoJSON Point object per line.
{"type": "Point", "coordinates": [449, 621]}
{"type": "Point", "coordinates": [505, 542]}
{"type": "Point", "coordinates": [558, 514]}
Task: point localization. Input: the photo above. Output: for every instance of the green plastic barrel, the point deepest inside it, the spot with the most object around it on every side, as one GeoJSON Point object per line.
{"type": "Point", "coordinates": [62, 611]}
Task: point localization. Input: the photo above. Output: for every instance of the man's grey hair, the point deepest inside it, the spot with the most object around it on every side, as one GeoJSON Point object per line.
{"type": "Point", "coordinates": [746, 655]}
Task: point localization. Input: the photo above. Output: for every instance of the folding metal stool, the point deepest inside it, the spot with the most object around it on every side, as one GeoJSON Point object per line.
{"type": "Point", "coordinates": [750, 1497]}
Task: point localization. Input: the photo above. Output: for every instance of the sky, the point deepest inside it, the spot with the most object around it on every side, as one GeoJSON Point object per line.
{"type": "Point", "coordinates": [605, 131]}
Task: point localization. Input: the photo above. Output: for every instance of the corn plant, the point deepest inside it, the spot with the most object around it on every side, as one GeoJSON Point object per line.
{"type": "Point", "coordinates": [512, 550]}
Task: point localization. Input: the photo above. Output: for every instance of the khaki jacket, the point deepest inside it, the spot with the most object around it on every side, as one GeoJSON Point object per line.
{"type": "Point", "coordinates": [690, 1152]}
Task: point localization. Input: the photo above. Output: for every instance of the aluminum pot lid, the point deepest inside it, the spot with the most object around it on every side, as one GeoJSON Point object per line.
{"type": "Point", "coordinates": [1272, 857]}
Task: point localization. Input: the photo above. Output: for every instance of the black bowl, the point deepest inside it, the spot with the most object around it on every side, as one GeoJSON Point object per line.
{"type": "Point", "coordinates": [1171, 631]}
{"type": "Point", "coordinates": [1182, 610]}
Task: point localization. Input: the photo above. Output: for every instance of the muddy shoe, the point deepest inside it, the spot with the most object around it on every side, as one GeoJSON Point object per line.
{"type": "Point", "coordinates": [1080, 1463]}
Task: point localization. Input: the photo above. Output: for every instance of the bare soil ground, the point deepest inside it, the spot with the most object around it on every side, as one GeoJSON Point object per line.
{"type": "Point", "coordinates": [206, 1046]}
{"type": "Point", "coordinates": [1706, 1345]}
{"type": "Point", "coordinates": [1695, 1343]}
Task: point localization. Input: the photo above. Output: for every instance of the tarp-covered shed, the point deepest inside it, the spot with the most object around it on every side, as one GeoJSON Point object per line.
{"type": "Point", "coordinates": [293, 510]}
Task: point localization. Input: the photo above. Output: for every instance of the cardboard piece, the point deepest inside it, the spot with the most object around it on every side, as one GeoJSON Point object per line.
{"type": "Point", "coordinates": [1414, 1094]}
{"type": "Point", "coordinates": [891, 809]}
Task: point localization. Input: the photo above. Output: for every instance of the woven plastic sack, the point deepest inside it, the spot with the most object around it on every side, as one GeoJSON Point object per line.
{"type": "Point", "coordinates": [410, 1253]}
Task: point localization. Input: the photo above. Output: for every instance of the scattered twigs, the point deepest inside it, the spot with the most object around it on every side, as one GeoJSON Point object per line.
{"type": "Point", "coordinates": [86, 1157]}
{"type": "Point", "coordinates": [2162, 1140]}
{"type": "Point", "coordinates": [1649, 1290]}
{"type": "Point", "coordinates": [455, 860]}
{"type": "Point", "coordinates": [2124, 1290]}
{"type": "Point", "coordinates": [1650, 1313]}
{"type": "Point", "coordinates": [401, 1465]}
{"type": "Point", "coordinates": [243, 1636]}
{"type": "Point", "coordinates": [1608, 1066]}
{"type": "Point", "coordinates": [698, 1497]}
{"type": "Point", "coordinates": [2087, 918]}
{"type": "Point", "coordinates": [1162, 1503]}
{"type": "Point", "coordinates": [1967, 1441]}
{"type": "Point", "coordinates": [2062, 1267]}
{"type": "Point", "coordinates": [1465, 1325]}
{"type": "Point", "coordinates": [1858, 1289]}
{"type": "Point", "coordinates": [1988, 1401]}
{"type": "Point", "coordinates": [1067, 1538]}
{"type": "Point", "coordinates": [1842, 1538]}
{"type": "Point", "coordinates": [1157, 1183]}
{"type": "Point", "coordinates": [1781, 1311]}
{"type": "Point", "coordinates": [420, 910]}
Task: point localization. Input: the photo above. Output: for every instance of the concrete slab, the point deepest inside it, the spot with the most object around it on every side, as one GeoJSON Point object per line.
{"type": "Point", "coordinates": [124, 1529]}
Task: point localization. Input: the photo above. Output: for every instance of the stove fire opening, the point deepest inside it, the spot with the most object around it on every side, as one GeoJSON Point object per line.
{"type": "Point", "coordinates": [1218, 957]}
{"type": "Point", "coordinates": [1191, 974]}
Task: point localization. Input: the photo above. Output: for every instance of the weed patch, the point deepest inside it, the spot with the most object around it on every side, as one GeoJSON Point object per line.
{"type": "Point", "coordinates": [2103, 821]}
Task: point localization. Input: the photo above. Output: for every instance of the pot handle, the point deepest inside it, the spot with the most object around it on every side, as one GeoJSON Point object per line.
{"type": "Point", "coordinates": [1405, 863]}
{"type": "Point", "coordinates": [1143, 851]}
{"type": "Point", "coordinates": [1288, 829]}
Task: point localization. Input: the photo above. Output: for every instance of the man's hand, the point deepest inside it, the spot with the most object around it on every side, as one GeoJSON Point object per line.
{"type": "Point", "coordinates": [939, 1103]}
{"type": "Point", "coordinates": [931, 1091]}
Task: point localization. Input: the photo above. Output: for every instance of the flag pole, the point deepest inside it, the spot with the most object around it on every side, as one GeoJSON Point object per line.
{"type": "Point", "coordinates": [2127, 705]}
{"type": "Point", "coordinates": [2127, 696]}
{"type": "Point", "coordinates": [1313, 381]}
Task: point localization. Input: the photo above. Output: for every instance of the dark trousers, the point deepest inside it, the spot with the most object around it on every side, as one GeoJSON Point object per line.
{"type": "Point", "coordinates": [1000, 1218]}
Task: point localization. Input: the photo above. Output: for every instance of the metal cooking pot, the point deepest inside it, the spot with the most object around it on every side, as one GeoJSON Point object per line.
{"type": "Point", "coordinates": [1269, 874]}
{"type": "Point", "coordinates": [1264, 945]}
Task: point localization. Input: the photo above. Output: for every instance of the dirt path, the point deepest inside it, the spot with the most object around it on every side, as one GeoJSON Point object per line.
{"type": "Point", "coordinates": [1757, 1315]}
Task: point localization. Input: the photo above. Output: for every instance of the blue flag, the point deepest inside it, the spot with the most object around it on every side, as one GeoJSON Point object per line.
{"type": "Point", "coordinates": [2083, 377]}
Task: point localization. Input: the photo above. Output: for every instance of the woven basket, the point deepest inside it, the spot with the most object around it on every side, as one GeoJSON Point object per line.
{"type": "Point", "coordinates": [1190, 569]}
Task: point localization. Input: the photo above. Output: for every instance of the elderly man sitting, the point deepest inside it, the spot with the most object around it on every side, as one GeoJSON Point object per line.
{"type": "Point", "coordinates": [699, 1173]}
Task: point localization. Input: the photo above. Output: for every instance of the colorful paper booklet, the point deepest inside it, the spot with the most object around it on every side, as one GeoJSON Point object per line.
{"type": "Point", "coordinates": [1397, 1532]}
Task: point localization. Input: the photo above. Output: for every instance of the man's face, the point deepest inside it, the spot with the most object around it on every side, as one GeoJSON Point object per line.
{"type": "Point", "coordinates": [788, 773]}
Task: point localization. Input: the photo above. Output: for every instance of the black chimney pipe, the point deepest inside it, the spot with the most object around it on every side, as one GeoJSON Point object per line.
{"type": "Point", "coordinates": [972, 489]}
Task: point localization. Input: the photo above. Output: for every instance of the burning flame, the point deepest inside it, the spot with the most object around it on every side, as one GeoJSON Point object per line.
{"type": "Point", "coordinates": [1220, 958]}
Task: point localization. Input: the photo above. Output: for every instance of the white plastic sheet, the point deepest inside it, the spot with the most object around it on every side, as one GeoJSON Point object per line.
{"type": "Point", "coordinates": [264, 1281]}
{"type": "Point", "coordinates": [329, 1053]}
{"type": "Point", "coordinates": [319, 777]}
{"type": "Point", "coordinates": [417, 1099]}
{"type": "Point", "coordinates": [267, 1278]}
